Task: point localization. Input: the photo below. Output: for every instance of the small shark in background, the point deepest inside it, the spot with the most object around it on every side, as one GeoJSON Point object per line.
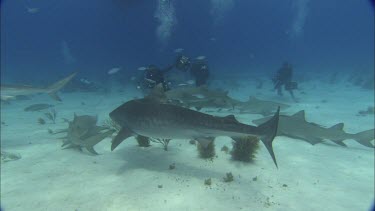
{"type": "Point", "coordinates": [9, 92]}
{"type": "Point", "coordinates": [257, 106]}
{"type": "Point", "coordinates": [296, 126]}
{"type": "Point", "coordinates": [202, 97]}
{"type": "Point", "coordinates": [152, 118]}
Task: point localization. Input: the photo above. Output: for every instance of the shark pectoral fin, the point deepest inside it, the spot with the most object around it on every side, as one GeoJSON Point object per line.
{"type": "Point", "coordinates": [54, 96]}
{"type": "Point", "coordinates": [123, 134]}
{"type": "Point", "coordinates": [205, 141]}
{"type": "Point", "coordinates": [90, 142]}
{"type": "Point", "coordinates": [340, 142]}
{"type": "Point", "coordinates": [91, 150]}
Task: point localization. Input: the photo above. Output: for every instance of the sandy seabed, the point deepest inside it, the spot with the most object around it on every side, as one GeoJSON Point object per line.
{"type": "Point", "coordinates": [320, 177]}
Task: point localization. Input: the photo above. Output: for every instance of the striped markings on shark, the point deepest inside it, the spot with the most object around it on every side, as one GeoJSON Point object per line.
{"type": "Point", "coordinates": [9, 92]}
{"type": "Point", "coordinates": [296, 126]}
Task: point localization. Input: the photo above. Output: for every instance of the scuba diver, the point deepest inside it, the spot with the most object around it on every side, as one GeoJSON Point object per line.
{"type": "Point", "coordinates": [282, 78]}
{"type": "Point", "coordinates": [200, 72]}
{"type": "Point", "coordinates": [197, 68]}
{"type": "Point", "coordinates": [153, 76]}
{"type": "Point", "coordinates": [182, 63]}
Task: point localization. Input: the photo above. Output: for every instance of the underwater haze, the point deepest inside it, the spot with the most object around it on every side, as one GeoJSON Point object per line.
{"type": "Point", "coordinates": [187, 105]}
{"type": "Point", "coordinates": [259, 35]}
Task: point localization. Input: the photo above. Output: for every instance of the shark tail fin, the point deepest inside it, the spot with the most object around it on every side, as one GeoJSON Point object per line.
{"type": "Point", "coordinates": [55, 87]}
{"type": "Point", "coordinates": [269, 131]}
{"type": "Point", "coordinates": [365, 138]}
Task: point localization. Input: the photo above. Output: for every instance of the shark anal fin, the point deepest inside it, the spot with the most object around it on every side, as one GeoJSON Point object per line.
{"type": "Point", "coordinates": [313, 141]}
{"type": "Point", "coordinates": [340, 142]}
{"type": "Point", "coordinates": [123, 134]}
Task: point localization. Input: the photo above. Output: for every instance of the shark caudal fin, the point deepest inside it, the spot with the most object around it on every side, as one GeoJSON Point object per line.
{"type": "Point", "coordinates": [54, 88]}
{"type": "Point", "coordinates": [365, 138]}
{"type": "Point", "coordinates": [269, 131]}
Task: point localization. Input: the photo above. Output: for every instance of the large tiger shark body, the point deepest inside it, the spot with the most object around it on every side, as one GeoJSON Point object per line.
{"type": "Point", "coordinates": [152, 118]}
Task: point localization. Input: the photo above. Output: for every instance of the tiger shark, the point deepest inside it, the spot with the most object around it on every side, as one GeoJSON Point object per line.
{"type": "Point", "coordinates": [152, 118]}
{"type": "Point", "coordinates": [296, 126]}
{"type": "Point", "coordinates": [9, 92]}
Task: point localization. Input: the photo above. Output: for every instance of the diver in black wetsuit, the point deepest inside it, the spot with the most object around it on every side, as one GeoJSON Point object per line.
{"type": "Point", "coordinates": [153, 76]}
{"type": "Point", "coordinates": [282, 78]}
{"type": "Point", "coordinates": [182, 63]}
{"type": "Point", "coordinates": [199, 70]}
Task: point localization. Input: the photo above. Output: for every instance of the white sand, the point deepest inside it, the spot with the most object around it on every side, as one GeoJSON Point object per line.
{"type": "Point", "coordinates": [320, 177]}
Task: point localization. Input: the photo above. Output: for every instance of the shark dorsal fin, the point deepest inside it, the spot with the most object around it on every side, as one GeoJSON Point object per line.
{"type": "Point", "coordinates": [231, 118]}
{"type": "Point", "coordinates": [339, 126]}
{"type": "Point", "coordinates": [299, 115]}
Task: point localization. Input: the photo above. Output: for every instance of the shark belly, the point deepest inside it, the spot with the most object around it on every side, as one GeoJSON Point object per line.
{"type": "Point", "coordinates": [182, 130]}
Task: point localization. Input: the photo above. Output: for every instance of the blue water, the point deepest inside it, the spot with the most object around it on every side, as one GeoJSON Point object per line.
{"type": "Point", "coordinates": [250, 36]}
{"type": "Point", "coordinates": [45, 40]}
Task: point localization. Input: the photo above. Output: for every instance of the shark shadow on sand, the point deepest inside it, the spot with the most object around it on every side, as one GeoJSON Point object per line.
{"type": "Point", "coordinates": [296, 126]}
{"type": "Point", "coordinates": [84, 133]}
{"type": "Point", "coordinates": [138, 158]}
